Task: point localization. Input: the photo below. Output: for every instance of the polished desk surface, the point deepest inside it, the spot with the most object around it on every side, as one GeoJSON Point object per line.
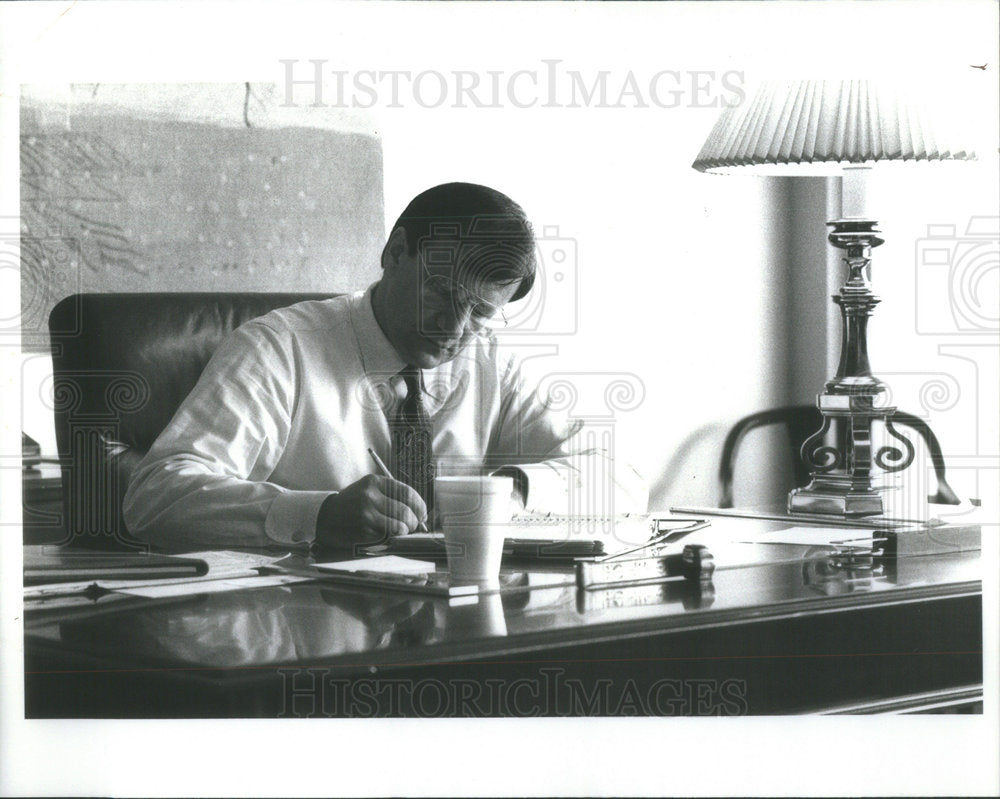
{"type": "Point", "coordinates": [777, 602]}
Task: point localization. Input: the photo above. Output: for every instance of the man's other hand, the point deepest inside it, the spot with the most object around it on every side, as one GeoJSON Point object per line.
{"type": "Point", "coordinates": [369, 511]}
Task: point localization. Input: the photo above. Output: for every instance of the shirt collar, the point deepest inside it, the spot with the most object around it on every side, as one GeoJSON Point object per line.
{"type": "Point", "coordinates": [378, 357]}
{"type": "Point", "coordinates": [380, 360]}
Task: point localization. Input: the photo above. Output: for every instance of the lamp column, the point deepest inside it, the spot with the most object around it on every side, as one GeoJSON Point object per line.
{"type": "Point", "coordinates": [840, 454]}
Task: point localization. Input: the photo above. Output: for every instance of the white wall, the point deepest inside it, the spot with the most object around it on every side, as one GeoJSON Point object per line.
{"type": "Point", "coordinates": [683, 279]}
{"type": "Point", "coordinates": [935, 338]}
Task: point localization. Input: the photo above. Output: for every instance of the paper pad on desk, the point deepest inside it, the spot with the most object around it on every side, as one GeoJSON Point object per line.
{"type": "Point", "coordinates": [210, 586]}
{"type": "Point", "coordinates": [394, 572]}
{"type": "Point", "coordinates": [386, 564]}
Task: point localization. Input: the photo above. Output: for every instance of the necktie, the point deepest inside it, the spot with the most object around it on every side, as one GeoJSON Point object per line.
{"type": "Point", "coordinates": [412, 435]}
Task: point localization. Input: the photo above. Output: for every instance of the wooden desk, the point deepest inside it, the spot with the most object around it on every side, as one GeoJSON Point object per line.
{"type": "Point", "coordinates": [795, 632]}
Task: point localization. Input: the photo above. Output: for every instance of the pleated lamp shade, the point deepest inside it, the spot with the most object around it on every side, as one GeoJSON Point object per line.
{"type": "Point", "coordinates": [821, 126]}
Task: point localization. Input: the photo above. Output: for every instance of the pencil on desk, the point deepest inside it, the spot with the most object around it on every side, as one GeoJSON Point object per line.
{"type": "Point", "coordinates": [384, 471]}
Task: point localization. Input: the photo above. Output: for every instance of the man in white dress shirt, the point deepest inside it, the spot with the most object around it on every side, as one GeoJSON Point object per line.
{"type": "Point", "coordinates": [271, 446]}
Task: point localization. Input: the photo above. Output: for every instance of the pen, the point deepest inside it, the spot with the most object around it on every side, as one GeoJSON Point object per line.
{"type": "Point", "coordinates": [91, 590]}
{"type": "Point", "coordinates": [660, 540]}
{"type": "Point", "coordinates": [384, 470]}
{"type": "Point", "coordinates": [418, 583]}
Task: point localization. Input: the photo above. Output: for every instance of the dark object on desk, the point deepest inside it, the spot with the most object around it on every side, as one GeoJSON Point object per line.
{"type": "Point", "coordinates": [47, 564]}
{"type": "Point", "coordinates": [118, 379]}
{"type": "Point", "coordinates": [801, 421]}
{"type": "Point", "coordinates": [555, 540]}
{"type": "Point", "coordinates": [516, 549]}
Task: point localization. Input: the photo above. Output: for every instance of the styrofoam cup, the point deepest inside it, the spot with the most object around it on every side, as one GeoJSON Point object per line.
{"type": "Point", "coordinates": [473, 512]}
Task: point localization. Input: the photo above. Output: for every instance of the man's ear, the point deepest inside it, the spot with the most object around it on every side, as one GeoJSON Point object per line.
{"type": "Point", "coordinates": [394, 248]}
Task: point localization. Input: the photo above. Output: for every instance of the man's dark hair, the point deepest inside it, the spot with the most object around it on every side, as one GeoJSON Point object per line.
{"type": "Point", "coordinates": [482, 234]}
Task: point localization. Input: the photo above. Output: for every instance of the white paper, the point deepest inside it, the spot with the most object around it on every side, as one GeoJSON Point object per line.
{"type": "Point", "coordinates": [210, 586]}
{"type": "Point", "coordinates": [813, 537]}
{"type": "Point", "coordinates": [386, 564]}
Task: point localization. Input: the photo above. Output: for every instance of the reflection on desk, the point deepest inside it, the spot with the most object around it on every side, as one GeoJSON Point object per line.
{"type": "Point", "coordinates": [796, 628]}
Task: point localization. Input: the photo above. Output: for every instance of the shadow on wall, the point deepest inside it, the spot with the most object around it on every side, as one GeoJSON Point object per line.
{"type": "Point", "coordinates": [115, 201]}
{"type": "Point", "coordinates": [763, 473]}
{"type": "Point", "coordinates": [688, 475]}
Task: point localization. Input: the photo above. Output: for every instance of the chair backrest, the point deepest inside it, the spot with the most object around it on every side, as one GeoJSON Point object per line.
{"type": "Point", "coordinates": [801, 421]}
{"type": "Point", "coordinates": [122, 365]}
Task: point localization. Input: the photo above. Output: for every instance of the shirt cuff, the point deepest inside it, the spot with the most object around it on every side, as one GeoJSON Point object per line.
{"type": "Point", "coordinates": [555, 486]}
{"type": "Point", "coordinates": [547, 486]}
{"type": "Point", "coordinates": [291, 519]}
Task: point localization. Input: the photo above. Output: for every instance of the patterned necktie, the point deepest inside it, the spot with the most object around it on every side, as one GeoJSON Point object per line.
{"type": "Point", "coordinates": [412, 435]}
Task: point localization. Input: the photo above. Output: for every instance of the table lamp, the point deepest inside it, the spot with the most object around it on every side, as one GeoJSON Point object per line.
{"type": "Point", "coordinates": [846, 127]}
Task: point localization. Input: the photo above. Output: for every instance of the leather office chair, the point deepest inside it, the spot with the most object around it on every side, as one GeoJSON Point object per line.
{"type": "Point", "coordinates": [122, 365]}
{"type": "Point", "coordinates": [801, 421]}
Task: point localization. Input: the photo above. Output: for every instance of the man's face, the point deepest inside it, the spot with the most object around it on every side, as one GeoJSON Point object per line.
{"type": "Point", "coordinates": [429, 318]}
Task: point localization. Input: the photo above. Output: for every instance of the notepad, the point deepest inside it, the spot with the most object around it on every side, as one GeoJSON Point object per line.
{"type": "Point", "coordinates": [391, 572]}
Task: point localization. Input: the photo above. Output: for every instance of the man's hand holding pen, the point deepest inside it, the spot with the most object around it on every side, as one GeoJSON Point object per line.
{"type": "Point", "coordinates": [369, 511]}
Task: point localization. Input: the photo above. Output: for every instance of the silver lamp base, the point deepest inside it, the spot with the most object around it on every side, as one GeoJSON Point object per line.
{"type": "Point", "coordinates": [835, 500]}
{"type": "Point", "coordinates": [841, 456]}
